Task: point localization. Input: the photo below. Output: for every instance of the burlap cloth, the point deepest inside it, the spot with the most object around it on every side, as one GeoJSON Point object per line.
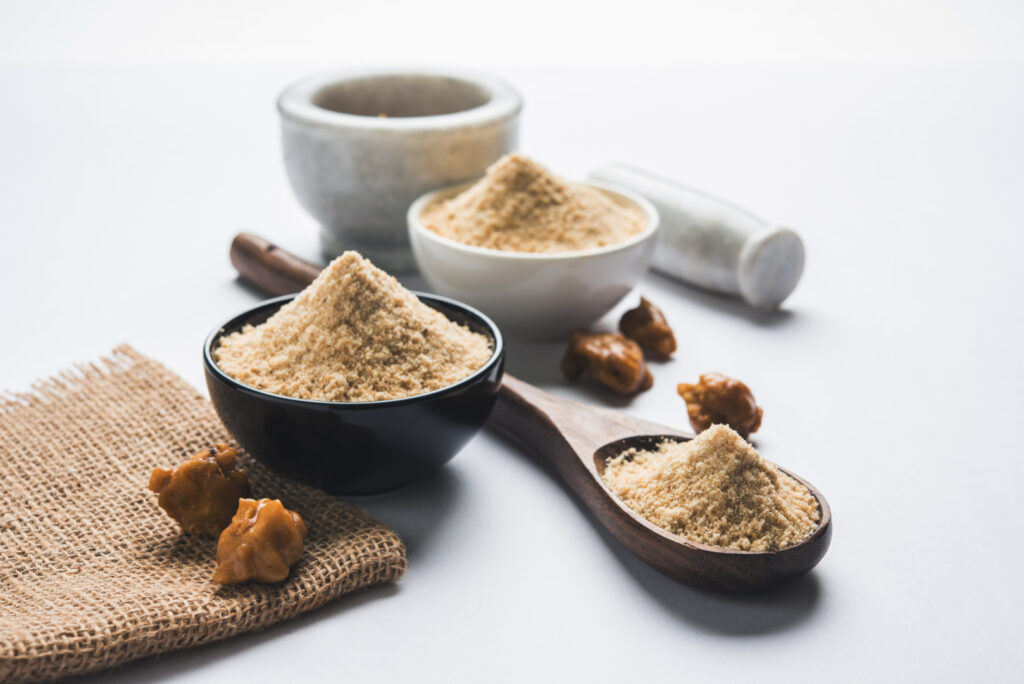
{"type": "Point", "coordinates": [93, 573]}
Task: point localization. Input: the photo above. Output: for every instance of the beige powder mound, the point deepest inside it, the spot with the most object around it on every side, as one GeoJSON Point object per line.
{"type": "Point", "coordinates": [716, 490]}
{"type": "Point", "coordinates": [355, 334]}
{"type": "Point", "coordinates": [519, 206]}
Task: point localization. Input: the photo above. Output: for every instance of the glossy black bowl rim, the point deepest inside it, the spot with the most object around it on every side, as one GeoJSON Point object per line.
{"type": "Point", "coordinates": [496, 356]}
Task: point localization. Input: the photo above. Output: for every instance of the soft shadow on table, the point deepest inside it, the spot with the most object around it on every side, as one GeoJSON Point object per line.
{"type": "Point", "coordinates": [257, 293]}
{"type": "Point", "coordinates": [175, 663]}
{"type": "Point", "coordinates": [733, 306]}
{"type": "Point", "coordinates": [534, 362]}
{"type": "Point", "coordinates": [739, 615]}
{"type": "Point", "coordinates": [418, 511]}
{"type": "Point", "coordinates": [415, 512]}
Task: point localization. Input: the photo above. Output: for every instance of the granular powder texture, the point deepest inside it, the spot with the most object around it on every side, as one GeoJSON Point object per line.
{"type": "Point", "coordinates": [519, 206]}
{"type": "Point", "coordinates": [354, 334]}
{"type": "Point", "coordinates": [716, 490]}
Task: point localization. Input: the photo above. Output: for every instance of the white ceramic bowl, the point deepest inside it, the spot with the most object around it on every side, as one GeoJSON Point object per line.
{"type": "Point", "coordinates": [533, 295]}
{"type": "Point", "coordinates": [356, 172]}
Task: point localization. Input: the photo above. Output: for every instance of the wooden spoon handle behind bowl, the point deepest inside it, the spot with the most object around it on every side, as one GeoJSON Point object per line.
{"type": "Point", "coordinates": [268, 267]}
{"type": "Point", "coordinates": [545, 423]}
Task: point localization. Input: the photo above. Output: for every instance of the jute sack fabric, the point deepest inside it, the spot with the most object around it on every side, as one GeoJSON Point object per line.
{"type": "Point", "coordinates": [93, 573]}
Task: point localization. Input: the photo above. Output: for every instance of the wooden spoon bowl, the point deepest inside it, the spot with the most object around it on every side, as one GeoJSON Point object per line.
{"type": "Point", "coordinates": [577, 441]}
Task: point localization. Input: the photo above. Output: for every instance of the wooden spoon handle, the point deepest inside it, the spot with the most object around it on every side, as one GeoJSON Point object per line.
{"type": "Point", "coordinates": [565, 432]}
{"type": "Point", "coordinates": [270, 268]}
{"type": "Point", "coordinates": [566, 435]}
{"type": "Point", "coordinates": [522, 409]}
{"type": "Point", "coordinates": [529, 416]}
{"type": "Point", "coordinates": [519, 415]}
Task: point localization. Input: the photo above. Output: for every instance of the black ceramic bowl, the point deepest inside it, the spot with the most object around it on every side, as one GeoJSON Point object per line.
{"type": "Point", "coordinates": [357, 448]}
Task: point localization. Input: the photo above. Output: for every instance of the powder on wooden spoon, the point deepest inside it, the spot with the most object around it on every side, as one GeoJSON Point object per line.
{"type": "Point", "coordinates": [717, 490]}
{"type": "Point", "coordinates": [355, 334]}
{"type": "Point", "coordinates": [520, 206]}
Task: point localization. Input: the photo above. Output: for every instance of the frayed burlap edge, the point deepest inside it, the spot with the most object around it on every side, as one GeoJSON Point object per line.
{"type": "Point", "coordinates": [93, 574]}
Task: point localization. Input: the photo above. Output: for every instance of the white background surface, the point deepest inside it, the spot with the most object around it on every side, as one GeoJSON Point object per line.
{"type": "Point", "coordinates": [135, 141]}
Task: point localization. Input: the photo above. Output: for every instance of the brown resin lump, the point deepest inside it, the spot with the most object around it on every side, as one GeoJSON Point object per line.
{"type": "Point", "coordinates": [610, 359]}
{"type": "Point", "coordinates": [203, 492]}
{"type": "Point", "coordinates": [717, 399]}
{"type": "Point", "coordinates": [262, 543]}
{"type": "Point", "coordinates": [647, 326]}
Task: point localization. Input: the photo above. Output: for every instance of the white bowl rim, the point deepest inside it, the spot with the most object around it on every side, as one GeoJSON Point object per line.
{"type": "Point", "coordinates": [295, 103]}
{"type": "Point", "coordinates": [416, 226]}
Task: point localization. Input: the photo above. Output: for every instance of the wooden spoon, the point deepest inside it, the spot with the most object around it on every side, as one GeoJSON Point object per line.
{"type": "Point", "coordinates": [270, 268]}
{"type": "Point", "coordinates": [577, 440]}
